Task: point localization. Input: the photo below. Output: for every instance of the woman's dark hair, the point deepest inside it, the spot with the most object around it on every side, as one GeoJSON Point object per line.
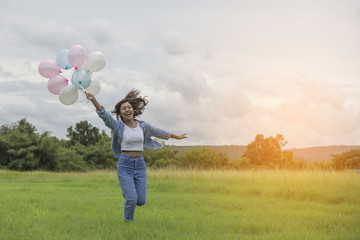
{"type": "Point", "coordinates": [137, 102]}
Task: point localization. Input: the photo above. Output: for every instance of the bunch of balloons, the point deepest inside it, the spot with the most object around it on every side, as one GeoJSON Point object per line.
{"type": "Point", "coordinates": [84, 65]}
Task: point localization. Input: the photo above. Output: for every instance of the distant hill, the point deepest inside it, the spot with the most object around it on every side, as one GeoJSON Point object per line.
{"type": "Point", "coordinates": [318, 154]}
{"type": "Point", "coordinates": [311, 154]}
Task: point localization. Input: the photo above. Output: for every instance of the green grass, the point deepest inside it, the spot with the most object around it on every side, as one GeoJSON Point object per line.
{"type": "Point", "coordinates": [182, 205]}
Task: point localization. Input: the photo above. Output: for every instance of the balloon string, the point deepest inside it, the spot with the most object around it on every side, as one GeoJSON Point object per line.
{"type": "Point", "coordinates": [83, 90]}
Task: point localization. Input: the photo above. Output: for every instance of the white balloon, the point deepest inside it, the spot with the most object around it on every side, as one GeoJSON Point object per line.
{"type": "Point", "coordinates": [69, 95]}
{"type": "Point", "coordinates": [94, 87]}
{"type": "Point", "coordinates": [95, 61]}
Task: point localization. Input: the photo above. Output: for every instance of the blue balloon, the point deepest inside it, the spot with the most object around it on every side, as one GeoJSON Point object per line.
{"type": "Point", "coordinates": [81, 79]}
{"type": "Point", "coordinates": [62, 60]}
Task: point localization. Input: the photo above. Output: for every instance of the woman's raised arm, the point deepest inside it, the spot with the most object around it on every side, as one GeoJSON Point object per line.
{"type": "Point", "coordinates": [92, 98]}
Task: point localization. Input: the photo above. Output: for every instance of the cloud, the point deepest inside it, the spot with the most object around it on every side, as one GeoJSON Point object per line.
{"type": "Point", "coordinates": [357, 12]}
{"type": "Point", "coordinates": [95, 34]}
{"type": "Point", "coordinates": [175, 44]}
{"type": "Point", "coordinates": [318, 109]}
{"type": "Point", "coordinates": [222, 79]}
{"type": "Point", "coordinates": [191, 86]}
{"type": "Point", "coordinates": [5, 74]}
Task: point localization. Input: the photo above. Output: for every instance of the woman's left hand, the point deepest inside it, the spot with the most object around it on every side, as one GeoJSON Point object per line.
{"type": "Point", "coordinates": [179, 137]}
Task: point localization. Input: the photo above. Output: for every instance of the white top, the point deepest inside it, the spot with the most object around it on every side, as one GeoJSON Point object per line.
{"type": "Point", "coordinates": [133, 139]}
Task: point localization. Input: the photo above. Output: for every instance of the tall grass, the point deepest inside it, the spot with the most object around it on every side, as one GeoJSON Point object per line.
{"type": "Point", "coordinates": [276, 204]}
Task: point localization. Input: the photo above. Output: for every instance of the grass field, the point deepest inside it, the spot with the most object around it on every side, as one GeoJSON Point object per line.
{"type": "Point", "coordinates": [275, 204]}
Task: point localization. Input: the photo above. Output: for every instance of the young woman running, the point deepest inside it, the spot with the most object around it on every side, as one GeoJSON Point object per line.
{"type": "Point", "coordinates": [130, 137]}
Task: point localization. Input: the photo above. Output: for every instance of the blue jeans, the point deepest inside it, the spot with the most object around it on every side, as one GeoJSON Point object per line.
{"type": "Point", "coordinates": [131, 172]}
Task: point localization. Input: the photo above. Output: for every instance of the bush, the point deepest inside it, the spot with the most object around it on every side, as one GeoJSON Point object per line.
{"type": "Point", "coordinates": [163, 157]}
{"type": "Point", "coordinates": [69, 160]}
{"type": "Point", "coordinates": [203, 158]}
{"type": "Point", "coordinates": [239, 163]}
{"type": "Point", "coordinates": [347, 160]}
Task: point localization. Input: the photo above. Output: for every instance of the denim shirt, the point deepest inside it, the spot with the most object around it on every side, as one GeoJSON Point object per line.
{"type": "Point", "coordinates": [118, 127]}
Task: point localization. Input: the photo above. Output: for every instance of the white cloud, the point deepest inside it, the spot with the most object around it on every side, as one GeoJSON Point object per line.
{"type": "Point", "coordinates": [175, 44]}
{"type": "Point", "coordinates": [221, 72]}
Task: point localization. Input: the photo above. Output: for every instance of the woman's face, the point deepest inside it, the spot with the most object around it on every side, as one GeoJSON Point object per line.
{"type": "Point", "coordinates": [126, 111]}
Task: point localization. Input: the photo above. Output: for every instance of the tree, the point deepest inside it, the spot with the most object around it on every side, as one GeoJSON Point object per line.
{"type": "Point", "coordinates": [239, 163]}
{"type": "Point", "coordinates": [203, 158]}
{"type": "Point", "coordinates": [84, 133]}
{"type": "Point", "coordinates": [49, 150]}
{"type": "Point", "coordinates": [19, 146]}
{"type": "Point", "coordinates": [159, 158]}
{"type": "Point", "coordinates": [267, 152]}
{"type": "Point", "coordinates": [69, 160]}
{"type": "Point", "coordinates": [22, 148]}
{"type": "Point", "coordinates": [347, 160]}
{"type": "Point", "coordinates": [99, 158]}
{"type": "Point", "coordinates": [4, 147]}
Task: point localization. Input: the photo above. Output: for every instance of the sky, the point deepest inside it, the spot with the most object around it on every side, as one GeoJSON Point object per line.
{"type": "Point", "coordinates": [222, 71]}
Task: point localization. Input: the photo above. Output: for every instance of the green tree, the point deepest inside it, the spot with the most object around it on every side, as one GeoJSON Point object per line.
{"type": "Point", "coordinates": [203, 158]}
{"type": "Point", "coordinates": [160, 158]}
{"type": "Point", "coordinates": [347, 160]}
{"type": "Point", "coordinates": [267, 152]}
{"type": "Point", "coordinates": [5, 145]}
{"type": "Point", "coordinates": [48, 151]}
{"type": "Point", "coordinates": [69, 160]}
{"type": "Point", "coordinates": [19, 146]}
{"type": "Point", "coordinates": [239, 163]}
{"type": "Point", "coordinates": [98, 157]}
{"type": "Point", "coordinates": [22, 148]}
{"type": "Point", "coordinates": [83, 133]}
{"type": "Point", "coordinates": [100, 154]}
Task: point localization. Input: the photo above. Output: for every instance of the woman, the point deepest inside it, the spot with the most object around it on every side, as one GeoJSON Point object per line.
{"type": "Point", "coordinates": [129, 138]}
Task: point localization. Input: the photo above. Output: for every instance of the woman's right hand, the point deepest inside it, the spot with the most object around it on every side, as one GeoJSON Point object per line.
{"type": "Point", "coordinates": [92, 98]}
{"type": "Point", "coordinates": [89, 96]}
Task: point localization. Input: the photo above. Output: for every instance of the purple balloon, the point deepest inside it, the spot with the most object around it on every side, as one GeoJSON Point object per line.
{"type": "Point", "coordinates": [77, 55]}
{"type": "Point", "coordinates": [56, 83]}
{"type": "Point", "coordinates": [48, 68]}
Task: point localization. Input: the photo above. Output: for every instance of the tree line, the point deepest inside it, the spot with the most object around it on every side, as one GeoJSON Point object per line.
{"type": "Point", "coordinates": [23, 148]}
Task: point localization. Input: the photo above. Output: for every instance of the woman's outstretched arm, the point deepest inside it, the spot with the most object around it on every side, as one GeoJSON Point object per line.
{"type": "Point", "coordinates": [92, 98]}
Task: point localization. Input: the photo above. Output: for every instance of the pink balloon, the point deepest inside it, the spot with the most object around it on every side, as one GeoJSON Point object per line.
{"type": "Point", "coordinates": [48, 68]}
{"type": "Point", "coordinates": [77, 55]}
{"type": "Point", "coordinates": [56, 83]}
